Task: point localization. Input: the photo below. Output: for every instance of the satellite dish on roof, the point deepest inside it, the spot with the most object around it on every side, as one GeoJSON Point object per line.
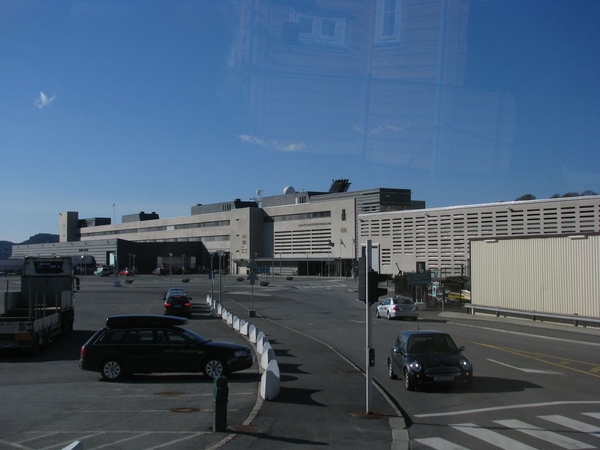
{"type": "Point", "coordinates": [289, 190]}
{"type": "Point", "coordinates": [259, 193]}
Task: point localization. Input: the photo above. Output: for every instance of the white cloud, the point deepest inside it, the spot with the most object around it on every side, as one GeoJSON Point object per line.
{"type": "Point", "coordinates": [252, 140]}
{"type": "Point", "coordinates": [283, 146]}
{"type": "Point", "coordinates": [43, 100]}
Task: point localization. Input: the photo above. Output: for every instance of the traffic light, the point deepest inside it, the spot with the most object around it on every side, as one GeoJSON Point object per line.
{"type": "Point", "coordinates": [374, 278]}
{"type": "Point", "coordinates": [362, 279]}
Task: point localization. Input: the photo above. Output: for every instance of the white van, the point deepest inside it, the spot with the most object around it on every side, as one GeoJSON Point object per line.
{"type": "Point", "coordinates": [102, 272]}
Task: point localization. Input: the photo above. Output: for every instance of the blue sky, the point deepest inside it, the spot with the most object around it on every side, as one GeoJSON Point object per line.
{"type": "Point", "coordinates": [131, 103]}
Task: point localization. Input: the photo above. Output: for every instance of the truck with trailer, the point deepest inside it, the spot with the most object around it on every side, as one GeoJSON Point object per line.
{"type": "Point", "coordinates": [43, 308]}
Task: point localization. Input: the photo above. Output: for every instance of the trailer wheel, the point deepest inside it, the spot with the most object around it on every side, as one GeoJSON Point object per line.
{"type": "Point", "coordinates": [112, 369]}
{"type": "Point", "coordinates": [35, 345]}
{"type": "Point", "coordinates": [45, 341]}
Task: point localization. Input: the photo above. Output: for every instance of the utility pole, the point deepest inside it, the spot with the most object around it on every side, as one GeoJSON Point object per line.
{"type": "Point", "coordinates": [369, 335]}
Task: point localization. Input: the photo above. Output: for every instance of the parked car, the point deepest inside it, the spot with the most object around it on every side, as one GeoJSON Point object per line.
{"type": "Point", "coordinates": [126, 272]}
{"type": "Point", "coordinates": [102, 272]}
{"type": "Point", "coordinates": [397, 307]}
{"type": "Point", "coordinates": [178, 304]}
{"type": "Point", "coordinates": [131, 344]}
{"type": "Point", "coordinates": [159, 271]}
{"type": "Point", "coordinates": [429, 358]}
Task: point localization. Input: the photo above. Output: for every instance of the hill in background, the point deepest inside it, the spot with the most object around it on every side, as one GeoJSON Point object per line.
{"type": "Point", "coordinates": [40, 238]}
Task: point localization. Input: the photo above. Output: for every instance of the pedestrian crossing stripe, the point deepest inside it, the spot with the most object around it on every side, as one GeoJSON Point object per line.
{"type": "Point", "coordinates": [499, 440]}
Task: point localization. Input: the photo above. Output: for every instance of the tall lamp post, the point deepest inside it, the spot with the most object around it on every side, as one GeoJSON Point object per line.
{"type": "Point", "coordinates": [82, 267]}
{"type": "Point", "coordinates": [170, 266]}
{"type": "Point", "coordinates": [212, 277]}
{"type": "Point", "coordinates": [183, 264]}
{"type": "Point", "coordinates": [220, 253]}
{"type": "Point", "coordinates": [133, 267]}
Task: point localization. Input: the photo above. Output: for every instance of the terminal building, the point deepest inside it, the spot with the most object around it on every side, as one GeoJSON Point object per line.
{"type": "Point", "coordinates": [316, 233]}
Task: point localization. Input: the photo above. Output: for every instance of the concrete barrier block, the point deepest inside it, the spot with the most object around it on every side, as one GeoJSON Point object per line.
{"type": "Point", "coordinates": [267, 355]}
{"type": "Point", "coordinates": [270, 381]}
{"type": "Point", "coordinates": [230, 319]}
{"type": "Point", "coordinates": [236, 323]}
{"type": "Point", "coordinates": [253, 333]}
{"type": "Point", "coordinates": [260, 341]}
{"type": "Point", "coordinates": [244, 326]}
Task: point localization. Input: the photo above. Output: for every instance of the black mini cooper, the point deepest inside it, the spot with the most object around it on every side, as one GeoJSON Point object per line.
{"type": "Point", "coordinates": [429, 358]}
{"type": "Point", "coordinates": [158, 344]}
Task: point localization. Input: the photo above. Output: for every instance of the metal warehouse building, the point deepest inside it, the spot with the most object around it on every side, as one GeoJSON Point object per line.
{"type": "Point", "coordinates": [556, 275]}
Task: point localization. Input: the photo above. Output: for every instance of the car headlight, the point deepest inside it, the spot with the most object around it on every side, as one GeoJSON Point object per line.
{"type": "Point", "coordinates": [415, 366]}
{"type": "Point", "coordinates": [240, 353]}
{"type": "Point", "coordinates": [465, 364]}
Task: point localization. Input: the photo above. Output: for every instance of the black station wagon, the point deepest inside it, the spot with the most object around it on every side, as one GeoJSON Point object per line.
{"type": "Point", "coordinates": [158, 344]}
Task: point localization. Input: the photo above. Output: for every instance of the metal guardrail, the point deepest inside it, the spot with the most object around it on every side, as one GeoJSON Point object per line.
{"type": "Point", "coordinates": [572, 319]}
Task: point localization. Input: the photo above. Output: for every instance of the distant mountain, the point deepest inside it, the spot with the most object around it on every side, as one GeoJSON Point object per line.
{"type": "Point", "coordinates": [40, 238]}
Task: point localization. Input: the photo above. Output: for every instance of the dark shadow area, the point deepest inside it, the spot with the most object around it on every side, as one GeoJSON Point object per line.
{"type": "Point", "coordinates": [291, 368]}
{"type": "Point", "coordinates": [61, 348]}
{"type": "Point", "coordinates": [177, 378]}
{"type": "Point", "coordinates": [282, 439]}
{"type": "Point", "coordinates": [297, 396]}
{"type": "Point", "coordinates": [283, 353]}
{"type": "Point", "coordinates": [482, 385]}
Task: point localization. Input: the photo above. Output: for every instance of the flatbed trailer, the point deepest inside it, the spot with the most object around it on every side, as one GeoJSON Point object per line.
{"type": "Point", "coordinates": [43, 309]}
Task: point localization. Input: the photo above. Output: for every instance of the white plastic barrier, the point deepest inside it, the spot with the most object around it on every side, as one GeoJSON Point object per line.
{"type": "Point", "coordinates": [260, 341]}
{"type": "Point", "coordinates": [244, 326]}
{"type": "Point", "coordinates": [270, 381]}
{"type": "Point", "coordinates": [236, 323]}
{"type": "Point", "coordinates": [267, 355]}
{"type": "Point", "coordinates": [253, 333]}
{"type": "Point", "coordinates": [231, 318]}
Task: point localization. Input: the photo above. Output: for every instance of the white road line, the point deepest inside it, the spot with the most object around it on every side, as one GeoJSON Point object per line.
{"type": "Point", "coordinates": [501, 408]}
{"type": "Point", "coordinates": [440, 444]}
{"type": "Point", "coordinates": [545, 435]}
{"type": "Point", "coordinates": [595, 415]}
{"type": "Point", "coordinates": [491, 437]}
{"type": "Point", "coordinates": [546, 372]}
{"type": "Point", "coordinates": [518, 333]}
{"type": "Point", "coordinates": [573, 424]}
{"type": "Point", "coordinates": [130, 438]}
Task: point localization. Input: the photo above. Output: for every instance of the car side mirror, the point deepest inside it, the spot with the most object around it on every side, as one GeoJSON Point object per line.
{"type": "Point", "coordinates": [462, 348]}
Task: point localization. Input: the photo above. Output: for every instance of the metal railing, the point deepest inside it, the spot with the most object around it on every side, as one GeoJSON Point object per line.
{"type": "Point", "coordinates": [572, 319]}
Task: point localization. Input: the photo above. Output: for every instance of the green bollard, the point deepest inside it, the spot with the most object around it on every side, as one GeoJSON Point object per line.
{"type": "Point", "coordinates": [220, 394]}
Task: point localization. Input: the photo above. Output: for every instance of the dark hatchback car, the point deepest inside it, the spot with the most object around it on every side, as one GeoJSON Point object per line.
{"type": "Point", "coordinates": [178, 304]}
{"type": "Point", "coordinates": [158, 344]}
{"type": "Point", "coordinates": [429, 358]}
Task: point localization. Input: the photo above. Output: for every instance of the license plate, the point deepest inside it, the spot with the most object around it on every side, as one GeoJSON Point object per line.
{"type": "Point", "coordinates": [450, 378]}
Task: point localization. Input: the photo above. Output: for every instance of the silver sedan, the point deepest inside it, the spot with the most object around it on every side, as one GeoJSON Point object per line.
{"type": "Point", "coordinates": [398, 308]}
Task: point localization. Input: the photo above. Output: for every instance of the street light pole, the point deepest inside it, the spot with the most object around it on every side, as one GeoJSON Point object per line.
{"type": "Point", "coordinates": [183, 263]}
{"type": "Point", "coordinates": [170, 266]}
{"type": "Point", "coordinates": [212, 278]}
{"type": "Point", "coordinates": [220, 253]}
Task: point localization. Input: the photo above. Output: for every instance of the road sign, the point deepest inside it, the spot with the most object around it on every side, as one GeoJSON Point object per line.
{"type": "Point", "coordinates": [419, 279]}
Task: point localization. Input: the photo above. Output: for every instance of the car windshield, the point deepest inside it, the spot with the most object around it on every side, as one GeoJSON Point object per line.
{"type": "Point", "coordinates": [194, 336]}
{"type": "Point", "coordinates": [402, 301]}
{"type": "Point", "coordinates": [459, 102]}
{"type": "Point", "coordinates": [438, 343]}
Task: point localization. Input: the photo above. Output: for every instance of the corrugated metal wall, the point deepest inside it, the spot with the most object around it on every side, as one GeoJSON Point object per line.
{"type": "Point", "coordinates": [559, 275]}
